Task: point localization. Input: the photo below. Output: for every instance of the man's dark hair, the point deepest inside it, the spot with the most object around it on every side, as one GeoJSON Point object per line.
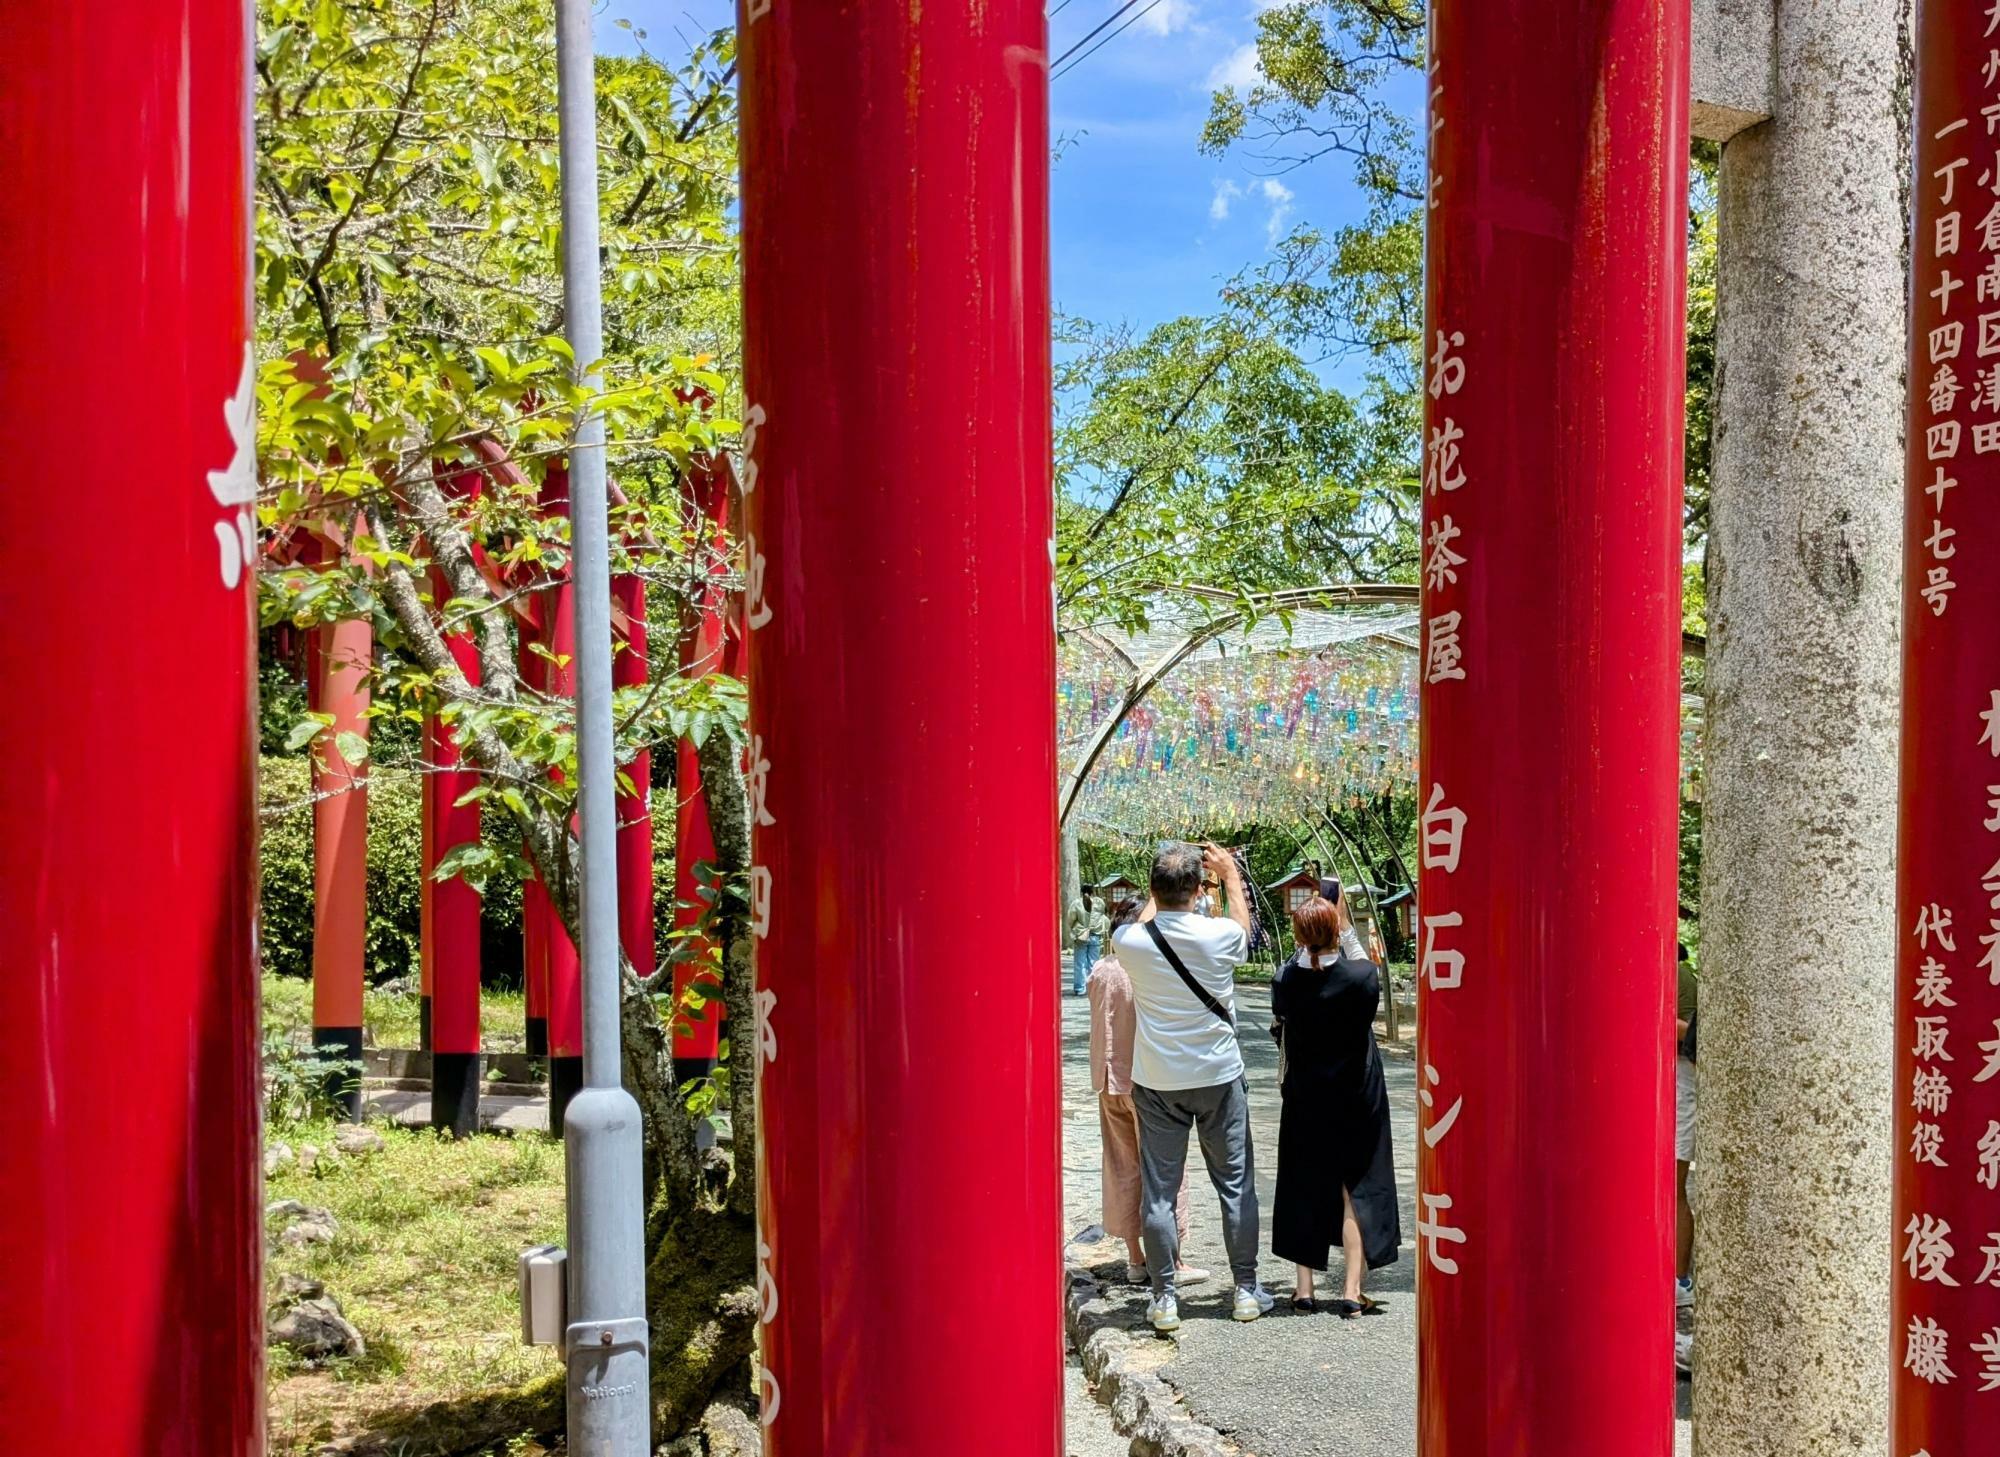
{"type": "Point", "coordinates": [1176, 875]}
{"type": "Point", "coordinates": [1127, 913]}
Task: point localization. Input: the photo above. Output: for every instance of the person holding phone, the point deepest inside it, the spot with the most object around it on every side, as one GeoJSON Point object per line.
{"type": "Point", "coordinates": [1187, 1068]}
{"type": "Point", "coordinates": [1336, 1156]}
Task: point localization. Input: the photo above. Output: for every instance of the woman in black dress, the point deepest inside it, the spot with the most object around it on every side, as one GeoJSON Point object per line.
{"type": "Point", "coordinates": [1336, 1166]}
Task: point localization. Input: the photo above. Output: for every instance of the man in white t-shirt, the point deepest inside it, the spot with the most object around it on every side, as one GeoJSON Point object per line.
{"type": "Point", "coordinates": [1187, 1071]}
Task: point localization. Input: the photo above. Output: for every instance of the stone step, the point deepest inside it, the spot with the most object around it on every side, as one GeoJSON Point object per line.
{"type": "Point", "coordinates": [497, 1089]}
{"type": "Point", "coordinates": [394, 1063]}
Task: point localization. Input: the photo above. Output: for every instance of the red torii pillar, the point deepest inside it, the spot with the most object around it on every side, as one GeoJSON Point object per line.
{"type": "Point", "coordinates": [556, 616]}
{"type": "Point", "coordinates": [1554, 379]}
{"type": "Point", "coordinates": [341, 659]}
{"type": "Point", "coordinates": [536, 911]}
{"type": "Point", "coordinates": [896, 353]}
{"type": "Point", "coordinates": [427, 859]}
{"type": "Point", "coordinates": [453, 927]}
{"type": "Point", "coordinates": [1945, 1311]}
{"type": "Point", "coordinates": [131, 1320]}
{"type": "Point", "coordinates": [629, 669]}
{"type": "Point", "coordinates": [711, 644]}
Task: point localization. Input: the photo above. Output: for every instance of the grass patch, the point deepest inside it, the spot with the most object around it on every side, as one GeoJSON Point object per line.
{"type": "Point", "coordinates": [394, 1018]}
{"type": "Point", "coordinates": [423, 1263]}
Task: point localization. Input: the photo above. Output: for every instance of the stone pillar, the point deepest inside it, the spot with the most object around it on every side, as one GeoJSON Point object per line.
{"type": "Point", "coordinates": [1792, 1250]}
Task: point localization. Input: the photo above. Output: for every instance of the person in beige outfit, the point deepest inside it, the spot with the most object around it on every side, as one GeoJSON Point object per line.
{"type": "Point", "coordinates": [1113, 1024]}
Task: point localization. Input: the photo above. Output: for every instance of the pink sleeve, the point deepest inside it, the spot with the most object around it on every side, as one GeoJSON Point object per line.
{"type": "Point", "coordinates": [1100, 1030]}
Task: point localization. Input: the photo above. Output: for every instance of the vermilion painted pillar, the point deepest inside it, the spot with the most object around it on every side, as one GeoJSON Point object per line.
{"type": "Point", "coordinates": [343, 654]}
{"type": "Point", "coordinates": [565, 971]}
{"type": "Point", "coordinates": [131, 1320]}
{"type": "Point", "coordinates": [629, 669]}
{"type": "Point", "coordinates": [427, 859]}
{"type": "Point", "coordinates": [708, 645]}
{"type": "Point", "coordinates": [1554, 378]}
{"type": "Point", "coordinates": [895, 210]}
{"type": "Point", "coordinates": [696, 1034]}
{"type": "Point", "coordinates": [535, 908]}
{"type": "Point", "coordinates": [455, 915]}
{"type": "Point", "coordinates": [1946, 1308]}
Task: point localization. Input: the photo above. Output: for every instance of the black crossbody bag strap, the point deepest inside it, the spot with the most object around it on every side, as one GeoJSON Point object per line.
{"type": "Point", "coordinates": [1160, 940]}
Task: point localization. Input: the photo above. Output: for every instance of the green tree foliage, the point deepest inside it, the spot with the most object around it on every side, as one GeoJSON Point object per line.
{"type": "Point", "coordinates": [1700, 362]}
{"type": "Point", "coordinates": [1207, 452]}
{"type": "Point", "coordinates": [408, 273]}
{"type": "Point", "coordinates": [395, 890]}
{"type": "Point", "coordinates": [1340, 80]}
{"type": "Point", "coordinates": [1210, 451]}
{"type": "Point", "coordinates": [408, 246]}
{"type": "Point", "coordinates": [409, 343]}
{"type": "Point", "coordinates": [1328, 68]}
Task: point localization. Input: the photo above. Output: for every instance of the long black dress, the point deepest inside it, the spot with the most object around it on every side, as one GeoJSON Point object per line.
{"type": "Point", "coordinates": [1334, 1128]}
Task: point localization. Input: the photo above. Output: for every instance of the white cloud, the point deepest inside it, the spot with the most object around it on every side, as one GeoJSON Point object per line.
{"type": "Point", "coordinates": [1225, 193]}
{"type": "Point", "coordinates": [1280, 198]}
{"type": "Point", "coordinates": [1239, 68]}
{"type": "Point", "coordinates": [1167, 17]}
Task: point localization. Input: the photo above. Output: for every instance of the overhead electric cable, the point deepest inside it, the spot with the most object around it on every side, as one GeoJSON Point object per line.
{"type": "Point", "coordinates": [1097, 31]}
{"type": "Point", "coordinates": [1057, 75]}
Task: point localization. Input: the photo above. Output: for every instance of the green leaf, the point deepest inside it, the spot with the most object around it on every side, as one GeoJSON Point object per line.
{"type": "Point", "coordinates": [306, 730]}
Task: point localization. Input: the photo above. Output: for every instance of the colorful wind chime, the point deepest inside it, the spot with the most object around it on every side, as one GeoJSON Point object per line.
{"type": "Point", "coordinates": [1263, 737]}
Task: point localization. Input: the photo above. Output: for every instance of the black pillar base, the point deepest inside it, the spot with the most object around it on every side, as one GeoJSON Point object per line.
{"type": "Point", "coordinates": [424, 1023]}
{"type": "Point", "coordinates": [565, 1081]}
{"type": "Point", "coordinates": [456, 1078]}
{"type": "Point", "coordinates": [538, 1037]}
{"type": "Point", "coordinates": [343, 1085]}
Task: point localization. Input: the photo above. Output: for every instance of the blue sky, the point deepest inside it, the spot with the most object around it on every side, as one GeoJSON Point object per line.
{"type": "Point", "coordinates": [1145, 227]}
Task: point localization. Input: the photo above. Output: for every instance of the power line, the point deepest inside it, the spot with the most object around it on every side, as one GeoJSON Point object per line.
{"type": "Point", "coordinates": [1096, 32]}
{"type": "Point", "coordinates": [1058, 74]}
{"type": "Point", "coordinates": [1060, 6]}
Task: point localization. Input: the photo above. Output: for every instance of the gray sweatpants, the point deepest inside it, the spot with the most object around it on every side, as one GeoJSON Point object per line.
{"type": "Point", "coordinates": [1221, 1116]}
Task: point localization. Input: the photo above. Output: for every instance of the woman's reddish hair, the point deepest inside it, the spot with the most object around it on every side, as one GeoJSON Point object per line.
{"type": "Point", "coordinates": [1316, 926]}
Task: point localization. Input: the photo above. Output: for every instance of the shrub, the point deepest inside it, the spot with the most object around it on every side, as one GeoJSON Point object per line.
{"type": "Point", "coordinates": [395, 890]}
{"type": "Point", "coordinates": [395, 848]}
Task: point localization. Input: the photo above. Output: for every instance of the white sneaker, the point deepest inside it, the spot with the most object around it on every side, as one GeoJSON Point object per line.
{"type": "Point", "coordinates": [1253, 1301]}
{"type": "Point", "coordinates": [1165, 1314]}
{"type": "Point", "coordinates": [1683, 1294]}
{"type": "Point", "coordinates": [1684, 1353]}
{"type": "Point", "coordinates": [1186, 1275]}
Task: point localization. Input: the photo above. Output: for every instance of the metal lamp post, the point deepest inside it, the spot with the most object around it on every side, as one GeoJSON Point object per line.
{"type": "Point", "coordinates": [606, 1343]}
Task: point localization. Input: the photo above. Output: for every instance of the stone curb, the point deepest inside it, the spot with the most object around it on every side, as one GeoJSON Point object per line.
{"type": "Point", "coordinates": [1143, 1407]}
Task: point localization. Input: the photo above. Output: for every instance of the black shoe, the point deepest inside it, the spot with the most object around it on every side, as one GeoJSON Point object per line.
{"type": "Point", "coordinates": [1304, 1305]}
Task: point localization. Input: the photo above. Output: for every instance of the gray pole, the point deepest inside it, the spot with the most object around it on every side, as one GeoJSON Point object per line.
{"type": "Point", "coordinates": [610, 1400]}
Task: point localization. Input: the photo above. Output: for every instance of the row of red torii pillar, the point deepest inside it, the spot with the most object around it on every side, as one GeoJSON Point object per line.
{"type": "Point", "coordinates": [339, 662]}
{"type": "Point", "coordinates": [900, 615]}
